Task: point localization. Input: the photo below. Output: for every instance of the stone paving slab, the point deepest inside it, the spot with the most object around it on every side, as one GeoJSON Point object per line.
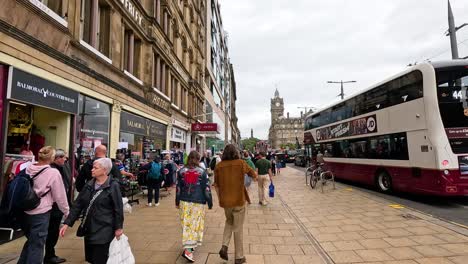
{"type": "Point", "coordinates": [300, 225]}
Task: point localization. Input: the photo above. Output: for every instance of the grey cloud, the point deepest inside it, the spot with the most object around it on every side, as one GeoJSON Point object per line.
{"type": "Point", "coordinates": [301, 44]}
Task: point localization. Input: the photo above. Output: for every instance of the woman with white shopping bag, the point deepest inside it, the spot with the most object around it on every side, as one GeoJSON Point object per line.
{"type": "Point", "coordinates": [101, 202]}
{"type": "Point", "coordinates": [193, 192]}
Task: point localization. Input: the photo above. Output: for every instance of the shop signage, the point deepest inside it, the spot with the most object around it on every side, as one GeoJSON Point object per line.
{"type": "Point", "coordinates": [178, 135]}
{"type": "Point", "coordinates": [180, 124]}
{"type": "Point", "coordinates": [159, 102]}
{"type": "Point", "coordinates": [31, 89]}
{"type": "Point", "coordinates": [360, 126]}
{"type": "Point", "coordinates": [205, 127]}
{"type": "Point", "coordinates": [457, 132]}
{"type": "Point", "coordinates": [133, 11]}
{"type": "Point", "coordinates": [131, 123]}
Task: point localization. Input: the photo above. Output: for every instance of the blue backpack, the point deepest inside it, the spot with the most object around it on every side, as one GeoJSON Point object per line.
{"type": "Point", "coordinates": [19, 196]}
{"type": "Point", "coordinates": [155, 171]}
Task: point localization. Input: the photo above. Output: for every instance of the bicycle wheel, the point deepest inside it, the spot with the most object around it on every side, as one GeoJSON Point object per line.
{"type": "Point", "coordinates": [313, 179]}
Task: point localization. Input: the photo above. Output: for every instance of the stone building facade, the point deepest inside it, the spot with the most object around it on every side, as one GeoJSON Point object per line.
{"type": "Point", "coordinates": [134, 70]}
{"type": "Point", "coordinates": [284, 130]}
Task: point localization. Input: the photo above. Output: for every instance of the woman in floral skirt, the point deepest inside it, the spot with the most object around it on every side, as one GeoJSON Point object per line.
{"type": "Point", "coordinates": [193, 192]}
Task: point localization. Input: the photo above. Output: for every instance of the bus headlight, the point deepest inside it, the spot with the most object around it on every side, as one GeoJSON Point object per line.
{"type": "Point", "coordinates": [446, 172]}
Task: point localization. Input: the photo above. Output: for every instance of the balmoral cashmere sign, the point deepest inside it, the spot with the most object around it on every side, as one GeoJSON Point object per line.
{"type": "Point", "coordinates": [29, 88]}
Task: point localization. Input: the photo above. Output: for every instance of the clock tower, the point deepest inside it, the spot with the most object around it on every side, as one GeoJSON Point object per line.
{"type": "Point", "coordinates": [277, 107]}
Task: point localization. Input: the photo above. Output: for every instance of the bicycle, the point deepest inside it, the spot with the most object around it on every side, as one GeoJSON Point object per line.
{"type": "Point", "coordinates": [325, 177]}
{"type": "Point", "coordinates": [316, 175]}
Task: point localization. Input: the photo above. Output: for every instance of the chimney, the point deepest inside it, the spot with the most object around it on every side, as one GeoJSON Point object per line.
{"type": "Point", "coordinates": [288, 115]}
{"type": "Point", "coordinates": [301, 114]}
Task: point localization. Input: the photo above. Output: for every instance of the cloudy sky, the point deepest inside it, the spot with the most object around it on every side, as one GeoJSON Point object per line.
{"type": "Point", "coordinates": [299, 45]}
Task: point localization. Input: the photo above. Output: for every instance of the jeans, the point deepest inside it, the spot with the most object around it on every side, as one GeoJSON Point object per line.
{"type": "Point", "coordinates": [53, 234]}
{"type": "Point", "coordinates": [35, 229]}
{"type": "Point", "coordinates": [235, 224]}
{"type": "Point", "coordinates": [153, 185]}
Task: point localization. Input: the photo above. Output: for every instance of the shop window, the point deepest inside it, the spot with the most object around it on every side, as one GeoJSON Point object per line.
{"type": "Point", "coordinates": [95, 25]}
{"type": "Point", "coordinates": [132, 50]}
{"type": "Point", "coordinates": [92, 127]}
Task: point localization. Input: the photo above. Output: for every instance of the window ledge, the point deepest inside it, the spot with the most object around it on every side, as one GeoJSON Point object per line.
{"type": "Point", "coordinates": [49, 12]}
{"type": "Point", "coordinates": [183, 112]}
{"type": "Point", "coordinates": [95, 51]}
{"type": "Point", "coordinates": [161, 94]}
{"type": "Point", "coordinates": [175, 106]}
{"type": "Point", "coordinates": [133, 77]}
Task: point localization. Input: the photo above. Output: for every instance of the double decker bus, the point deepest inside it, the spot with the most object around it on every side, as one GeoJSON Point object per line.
{"type": "Point", "coordinates": [407, 133]}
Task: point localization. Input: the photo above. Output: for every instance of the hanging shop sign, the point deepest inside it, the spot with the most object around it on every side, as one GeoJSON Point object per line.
{"type": "Point", "coordinates": [131, 123]}
{"type": "Point", "coordinates": [31, 89]}
{"type": "Point", "coordinates": [360, 126]}
{"type": "Point", "coordinates": [205, 128]}
{"type": "Point", "coordinates": [178, 135]}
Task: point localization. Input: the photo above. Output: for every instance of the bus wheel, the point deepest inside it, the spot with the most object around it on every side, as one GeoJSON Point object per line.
{"type": "Point", "coordinates": [384, 182]}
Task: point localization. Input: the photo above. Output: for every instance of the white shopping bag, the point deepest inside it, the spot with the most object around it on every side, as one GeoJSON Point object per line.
{"type": "Point", "coordinates": [120, 252]}
{"type": "Point", "coordinates": [127, 208]}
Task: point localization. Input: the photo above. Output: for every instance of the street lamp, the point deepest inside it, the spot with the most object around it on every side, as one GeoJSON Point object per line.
{"type": "Point", "coordinates": [342, 89]}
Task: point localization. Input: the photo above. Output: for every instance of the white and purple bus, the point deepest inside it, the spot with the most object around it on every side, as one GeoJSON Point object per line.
{"type": "Point", "coordinates": [408, 133]}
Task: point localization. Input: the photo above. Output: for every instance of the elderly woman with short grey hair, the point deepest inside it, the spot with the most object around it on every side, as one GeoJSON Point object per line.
{"type": "Point", "coordinates": [101, 202]}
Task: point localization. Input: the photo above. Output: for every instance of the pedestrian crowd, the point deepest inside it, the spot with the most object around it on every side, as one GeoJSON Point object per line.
{"type": "Point", "coordinates": [99, 199]}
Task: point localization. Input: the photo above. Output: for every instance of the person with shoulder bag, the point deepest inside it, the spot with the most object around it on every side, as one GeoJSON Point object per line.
{"type": "Point", "coordinates": [193, 192]}
{"type": "Point", "coordinates": [101, 202]}
{"type": "Point", "coordinates": [47, 185]}
{"type": "Point", "coordinates": [155, 176]}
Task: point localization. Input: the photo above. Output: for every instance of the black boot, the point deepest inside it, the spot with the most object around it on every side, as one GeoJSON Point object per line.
{"type": "Point", "coordinates": [223, 253]}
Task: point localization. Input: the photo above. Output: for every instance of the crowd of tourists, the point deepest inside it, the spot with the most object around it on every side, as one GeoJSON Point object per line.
{"type": "Point", "coordinates": [100, 207]}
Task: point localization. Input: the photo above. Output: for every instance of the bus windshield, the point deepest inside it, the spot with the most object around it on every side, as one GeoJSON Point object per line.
{"type": "Point", "coordinates": [452, 85]}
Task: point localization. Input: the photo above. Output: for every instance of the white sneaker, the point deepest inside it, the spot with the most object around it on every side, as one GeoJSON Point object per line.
{"type": "Point", "coordinates": [156, 204]}
{"type": "Point", "coordinates": [149, 204]}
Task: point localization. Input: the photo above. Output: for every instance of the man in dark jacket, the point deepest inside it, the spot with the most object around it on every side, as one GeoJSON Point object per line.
{"type": "Point", "coordinates": [85, 172]}
{"type": "Point", "coordinates": [55, 214]}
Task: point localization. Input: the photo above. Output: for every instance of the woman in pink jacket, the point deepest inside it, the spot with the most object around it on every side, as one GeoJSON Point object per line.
{"type": "Point", "coordinates": [36, 221]}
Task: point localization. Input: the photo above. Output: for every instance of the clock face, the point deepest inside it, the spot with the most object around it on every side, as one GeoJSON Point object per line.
{"type": "Point", "coordinates": [277, 104]}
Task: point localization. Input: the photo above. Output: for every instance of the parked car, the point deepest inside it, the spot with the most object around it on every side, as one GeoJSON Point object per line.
{"type": "Point", "coordinates": [290, 156]}
{"type": "Point", "coordinates": [300, 158]}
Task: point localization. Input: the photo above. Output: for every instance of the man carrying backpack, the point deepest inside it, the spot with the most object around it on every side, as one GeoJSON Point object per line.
{"type": "Point", "coordinates": [155, 176]}
{"type": "Point", "coordinates": [85, 172]}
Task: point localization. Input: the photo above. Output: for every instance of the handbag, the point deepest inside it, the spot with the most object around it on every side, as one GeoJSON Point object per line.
{"type": "Point", "coordinates": [271, 193]}
{"type": "Point", "coordinates": [81, 231]}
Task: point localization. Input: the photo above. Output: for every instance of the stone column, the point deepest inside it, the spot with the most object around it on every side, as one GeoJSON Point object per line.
{"type": "Point", "coordinates": [114, 137]}
{"type": "Point", "coordinates": [188, 143]}
{"type": "Point", "coordinates": [168, 136]}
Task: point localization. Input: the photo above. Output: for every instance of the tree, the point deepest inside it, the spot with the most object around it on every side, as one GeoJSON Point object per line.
{"type": "Point", "coordinates": [249, 143]}
{"type": "Point", "coordinates": [290, 146]}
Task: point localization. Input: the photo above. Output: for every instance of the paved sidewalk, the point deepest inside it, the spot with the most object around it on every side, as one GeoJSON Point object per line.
{"type": "Point", "coordinates": [300, 225]}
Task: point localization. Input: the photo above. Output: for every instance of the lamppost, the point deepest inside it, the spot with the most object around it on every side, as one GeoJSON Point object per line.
{"type": "Point", "coordinates": [452, 32]}
{"type": "Point", "coordinates": [342, 89]}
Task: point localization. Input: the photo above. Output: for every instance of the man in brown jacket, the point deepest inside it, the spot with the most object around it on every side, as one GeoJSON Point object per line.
{"type": "Point", "coordinates": [229, 184]}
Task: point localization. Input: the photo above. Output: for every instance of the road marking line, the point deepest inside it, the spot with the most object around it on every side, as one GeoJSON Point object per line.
{"type": "Point", "coordinates": [396, 206]}
{"type": "Point", "coordinates": [348, 189]}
